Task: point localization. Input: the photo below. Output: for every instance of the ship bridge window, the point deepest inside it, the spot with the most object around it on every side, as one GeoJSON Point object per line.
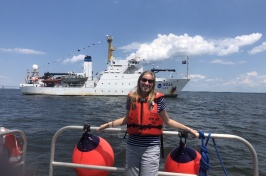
{"type": "Point", "coordinates": [133, 62]}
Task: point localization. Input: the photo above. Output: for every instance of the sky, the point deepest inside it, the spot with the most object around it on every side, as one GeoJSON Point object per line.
{"type": "Point", "coordinates": [224, 40]}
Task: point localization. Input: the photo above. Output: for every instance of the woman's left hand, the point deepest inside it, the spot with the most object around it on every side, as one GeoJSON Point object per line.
{"type": "Point", "coordinates": [194, 133]}
{"type": "Point", "coordinates": [102, 127]}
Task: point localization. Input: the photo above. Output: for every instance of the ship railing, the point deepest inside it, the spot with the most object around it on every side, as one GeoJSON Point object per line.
{"type": "Point", "coordinates": [54, 163]}
{"type": "Point", "coordinates": [22, 162]}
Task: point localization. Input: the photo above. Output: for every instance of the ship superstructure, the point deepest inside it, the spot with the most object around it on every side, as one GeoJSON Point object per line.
{"type": "Point", "coordinates": [119, 78]}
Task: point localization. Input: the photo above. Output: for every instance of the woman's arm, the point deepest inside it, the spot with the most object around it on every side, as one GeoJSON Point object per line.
{"type": "Point", "coordinates": [118, 122]}
{"type": "Point", "coordinates": [176, 125]}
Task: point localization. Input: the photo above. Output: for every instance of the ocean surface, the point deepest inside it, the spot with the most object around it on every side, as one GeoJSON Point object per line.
{"type": "Point", "coordinates": [40, 117]}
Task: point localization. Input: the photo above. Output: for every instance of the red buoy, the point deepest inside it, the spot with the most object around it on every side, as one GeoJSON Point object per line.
{"type": "Point", "coordinates": [183, 160]}
{"type": "Point", "coordinates": [92, 150]}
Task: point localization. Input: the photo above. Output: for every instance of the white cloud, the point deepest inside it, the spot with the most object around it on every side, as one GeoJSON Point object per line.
{"type": "Point", "coordinates": [258, 49]}
{"type": "Point", "coordinates": [247, 82]}
{"type": "Point", "coordinates": [214, 80]}
{"type": "Point", "coordinates": [246, 39]}
{"type": "Point", "coordinates": [74, 59]}
{"type": "Point", "coordinates": [131, 46]}
{"type": "Point", "coordinates": [231, 45]}
{"type": "Point", "coordinates": [252, 74]}
{"type": "Point", "coordinates": [250, 79]}
{"type": "Point", "coordinates": [221, 61]}
{"type": "Point", "coordinates": [21, 51]}
{"type": "Point", "coordinates": [171, 46]}
{"type": "Point", "coordinates": [196, 77]}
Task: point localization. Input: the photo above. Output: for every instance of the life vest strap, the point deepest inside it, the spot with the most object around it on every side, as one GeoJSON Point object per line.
{"type": "Point", "coordinates": [144, 126]}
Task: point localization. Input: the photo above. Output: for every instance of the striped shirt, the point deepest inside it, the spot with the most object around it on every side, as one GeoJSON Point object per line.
{"type": "Point", "coordinates": [145, 141]}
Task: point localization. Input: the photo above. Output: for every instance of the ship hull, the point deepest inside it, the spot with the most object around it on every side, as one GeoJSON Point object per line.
{"type": "Point", "coordinates": [170, 87]}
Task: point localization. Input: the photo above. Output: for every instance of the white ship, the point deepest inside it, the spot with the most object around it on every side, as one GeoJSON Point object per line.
{"type": "Point", "coordinates": [119, 78]}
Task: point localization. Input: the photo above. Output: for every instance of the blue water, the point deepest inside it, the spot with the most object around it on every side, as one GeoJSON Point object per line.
{"type": "Point", "coordinates": [39, 117]}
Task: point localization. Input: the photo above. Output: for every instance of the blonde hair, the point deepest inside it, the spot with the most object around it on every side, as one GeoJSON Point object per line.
{"type": "Point", "coordinates": [137, 94]}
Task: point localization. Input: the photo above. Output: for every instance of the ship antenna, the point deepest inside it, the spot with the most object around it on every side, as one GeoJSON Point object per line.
{"type": "Point", "coordinates": [110, 48]}
{"type": "Point", "coordinates": [187, 67]}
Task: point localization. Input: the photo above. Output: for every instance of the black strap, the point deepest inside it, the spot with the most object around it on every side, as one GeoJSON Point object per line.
{"type": "Point", "coordinates": [144, 126]}
{"type": "Point", "coordinates": [142, 100]}
{"type": "Point", "coordinates": [162, 148]}
{"type": "Point", "coordinates": [125, 135]}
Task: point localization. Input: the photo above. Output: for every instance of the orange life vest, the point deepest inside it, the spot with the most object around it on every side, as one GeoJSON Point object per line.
{"type": "Point", "coordinates": [143, 119]}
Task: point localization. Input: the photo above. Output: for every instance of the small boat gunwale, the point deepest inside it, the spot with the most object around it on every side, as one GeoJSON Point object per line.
{"type": "Point", "coordinates": [255, 164]}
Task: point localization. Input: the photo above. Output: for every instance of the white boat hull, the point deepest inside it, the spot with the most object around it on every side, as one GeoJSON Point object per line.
{"type": "Point", "coordinates": [170, 87]}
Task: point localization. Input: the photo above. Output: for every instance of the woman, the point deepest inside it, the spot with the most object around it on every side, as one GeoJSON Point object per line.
{"type": "Point", "coordinates": [145, 116]}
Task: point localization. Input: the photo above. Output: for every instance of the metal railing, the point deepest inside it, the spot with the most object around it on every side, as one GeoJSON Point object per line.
{"type": "Point", "coordinates": [121, 170]}
{"type": "Point", "coordinates": [24, 146]}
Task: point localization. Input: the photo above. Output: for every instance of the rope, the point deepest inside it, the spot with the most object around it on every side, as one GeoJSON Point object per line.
{"type": "Point", "coordinates": [204, 161]}
{"type": "Point", "coordinates": [220, 159]}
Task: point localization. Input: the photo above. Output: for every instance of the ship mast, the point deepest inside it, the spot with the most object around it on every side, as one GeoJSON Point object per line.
{"type": "Point", "coordinates": [110, 48]}
{"type": "Point", "coordinates": [187, 67]}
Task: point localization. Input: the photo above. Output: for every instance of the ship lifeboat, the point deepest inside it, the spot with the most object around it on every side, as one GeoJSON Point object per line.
{"type": "Point", "coordinates": [51, 82]}
{"type": "Point", "coordinates": [74, 80]}
{"type": "Point", "coordinates": [10, 149]}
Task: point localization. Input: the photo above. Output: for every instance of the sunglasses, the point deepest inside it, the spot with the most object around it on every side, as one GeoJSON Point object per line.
{"type": "Point", "coordinates": [150, 81]}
